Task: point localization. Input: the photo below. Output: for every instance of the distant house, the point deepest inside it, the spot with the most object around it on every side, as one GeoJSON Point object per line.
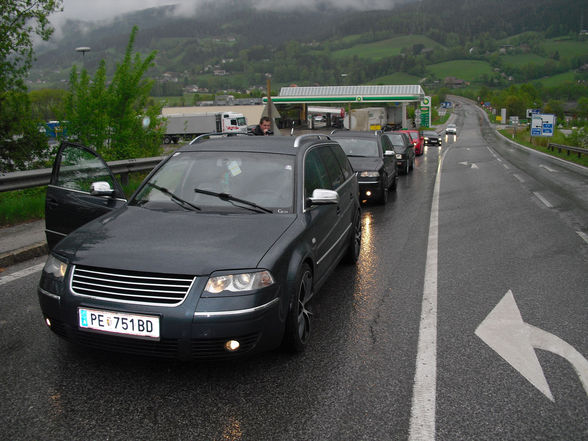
{"type": "Point", "coordinates": [454, 82]}
{"type": "Point", "coordinates": [219, 72]}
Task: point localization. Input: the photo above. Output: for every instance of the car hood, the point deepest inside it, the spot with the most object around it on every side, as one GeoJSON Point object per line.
{"type": "Point", "coordinates": [371, 163]}
{"type": "Point", "coordinates": [139, 239]}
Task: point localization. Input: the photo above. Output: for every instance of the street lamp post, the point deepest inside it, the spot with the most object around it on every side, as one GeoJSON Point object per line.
{"type": "Point", "coordinates": [83, 50]}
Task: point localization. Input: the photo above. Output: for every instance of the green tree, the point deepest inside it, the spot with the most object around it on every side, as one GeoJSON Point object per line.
{"type": "Point", "coordinates": [21, 143]}
{"type": "Point", "coordinates": [19, 21]}
{"type": "Point", "coordinates": [118, 120]}
{"type": "Point", "coordinates": [47, 104]}
{"type": "Point", "coordinates": [583, 107]}
{"type": "Point", "coordinates": [555, 107]}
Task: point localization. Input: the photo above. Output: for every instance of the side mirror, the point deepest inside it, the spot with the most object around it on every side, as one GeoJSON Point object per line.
{"type": "Point", "coordinates": [101, 188]}
{"type": "Point", "coordinates": [324, 197]}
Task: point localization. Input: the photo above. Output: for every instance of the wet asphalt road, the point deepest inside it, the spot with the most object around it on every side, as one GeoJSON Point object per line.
{"type": "Point", "coordinates": [355, 381]}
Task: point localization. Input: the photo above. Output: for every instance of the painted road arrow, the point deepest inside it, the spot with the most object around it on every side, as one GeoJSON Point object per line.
{"type": "Point", "coordinates": [514, 340]}
{"type": "Point", "coordinates": [472, 165]}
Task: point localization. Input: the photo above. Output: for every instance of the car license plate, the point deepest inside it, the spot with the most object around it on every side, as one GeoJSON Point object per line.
{"type": "Point", "coordinates": [135, 325]}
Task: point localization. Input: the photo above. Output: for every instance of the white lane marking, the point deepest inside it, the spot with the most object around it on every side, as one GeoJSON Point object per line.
{"type": "Point", "coordinates": [542, 199]}
{"type": "Point", "coordinates": [498, 159]}
{"type": "Point", "coordinates": [20, 274]}
{"type": "Point", "coordinates": [422, 414]}
{"type": "Point", "coordinates": [549, 169]}
{"type": "Point", "coordinates": [506, 166]}
{"type": "Point", "coordinates": [583, 236]}
{"type": "Point", "coordinates": [519, 178]}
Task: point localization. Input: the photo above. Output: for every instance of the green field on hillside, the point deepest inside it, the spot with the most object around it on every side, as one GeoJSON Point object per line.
{"type": "Point", "coordinates": [468, 70]}
{"type": "Point", "coordinates": [399, 78]}
{"type": "Point", "coordinates": [566, 48]}
{"type": "Point", "coordinates": [386, 48]}
{"type": "Point", "coordinates": [557, 80]}
{"type": "Point", "coordinates": [522, 60]}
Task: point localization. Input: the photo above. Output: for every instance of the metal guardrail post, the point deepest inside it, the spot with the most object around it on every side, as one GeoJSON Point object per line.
{"type": "Point", "coordinates": [579, 150]}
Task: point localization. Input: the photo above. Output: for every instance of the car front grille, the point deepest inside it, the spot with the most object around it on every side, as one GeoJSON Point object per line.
{"type": "Point", "coordinates": [130, 286]}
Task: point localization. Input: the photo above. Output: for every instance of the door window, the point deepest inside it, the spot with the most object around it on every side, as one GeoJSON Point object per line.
{"type": "Point", "coordinates": [336, 177]}
{"type": "Point", "coordinates": [315, 173]}
{"type": "Point", "coordinates": [79, 167]}
{"type": "Point", "coordinates": [343, 162]}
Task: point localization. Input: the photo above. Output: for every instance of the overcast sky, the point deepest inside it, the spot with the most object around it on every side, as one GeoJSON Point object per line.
{"type": "Point", "coordinates": [92, 10]}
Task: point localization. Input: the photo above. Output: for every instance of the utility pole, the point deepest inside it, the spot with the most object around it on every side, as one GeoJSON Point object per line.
{"type": "Point", "coordinates": [269, 100]}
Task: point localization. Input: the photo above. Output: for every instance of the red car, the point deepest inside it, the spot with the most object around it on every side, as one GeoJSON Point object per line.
{"type": "Point", "coordinates": [416, 139]}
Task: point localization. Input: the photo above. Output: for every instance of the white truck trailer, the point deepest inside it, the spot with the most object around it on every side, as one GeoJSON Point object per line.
{"type": "Point", "coordinates": [180, 126]}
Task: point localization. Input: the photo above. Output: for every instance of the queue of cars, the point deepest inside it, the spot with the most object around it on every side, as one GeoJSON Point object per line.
{"type": "Point", "coordinates": [219, 251]}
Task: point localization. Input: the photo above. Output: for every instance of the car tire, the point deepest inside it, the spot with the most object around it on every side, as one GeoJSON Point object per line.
{"type": "Point", "coordinates": [407, 167]}
{"type": "Point", "coordinates": [298, 324]}
{"type": "Point", "coordinates": [394, 183]}
{"type": "Point", "coordinates": [412, 164]}
{"type": "Point", "coordinates": [354, 248]}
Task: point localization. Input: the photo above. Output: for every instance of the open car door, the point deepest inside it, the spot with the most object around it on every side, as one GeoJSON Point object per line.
{"type": "Point", "coordinates": [82, 187]}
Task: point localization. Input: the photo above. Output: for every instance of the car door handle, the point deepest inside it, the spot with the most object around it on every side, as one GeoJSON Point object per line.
{"type": "Point", "coordinates": [338, 209]}
{"type": "Point", "coordinates": [52, 202]}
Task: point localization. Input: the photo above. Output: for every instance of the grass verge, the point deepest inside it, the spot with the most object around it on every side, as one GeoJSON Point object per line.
{"type": "Point", "coordinates": [524, 138]}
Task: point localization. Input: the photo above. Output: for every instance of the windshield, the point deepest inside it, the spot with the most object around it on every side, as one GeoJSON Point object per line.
{"type": "Point", "coordinates": [241, 121]}
{"type": "Point", "coordinates": [397, 141]}
{"type": "Point", "coordinates": [262, 179]}
{"type": "Point", "coordinates": [359, 146]}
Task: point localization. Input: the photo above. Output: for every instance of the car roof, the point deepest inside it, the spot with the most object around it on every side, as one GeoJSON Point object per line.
{"type": "Point", "coordinates": [353, 134]}
{"type": "Point", "coordinates": [285, 145]}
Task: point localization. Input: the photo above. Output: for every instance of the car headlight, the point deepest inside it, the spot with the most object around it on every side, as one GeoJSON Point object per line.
{"type": "Point", "coordinates": [398, 156]}
{"type": "Point", "coordinates": [53, 275]}
{"type": "Point", "coordinates": [369, 174]}
{"type": "Point", "coordinates": [239, 282]}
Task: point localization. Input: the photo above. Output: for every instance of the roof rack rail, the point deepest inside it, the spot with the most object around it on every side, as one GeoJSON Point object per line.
{"type": "Point", "coordinates": [301, 138]}
{"type": "Point", "coordinates": [338, 130]}
{"type": "Point", "coordinates": [204, 136]}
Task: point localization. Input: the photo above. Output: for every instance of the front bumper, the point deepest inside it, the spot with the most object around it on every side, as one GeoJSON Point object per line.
{"type": "Point", "coordinates": [371, 189]}
{"type": "Point", "coordinates": [197, 329]}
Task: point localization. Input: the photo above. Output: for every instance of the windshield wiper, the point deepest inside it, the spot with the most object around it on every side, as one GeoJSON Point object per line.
{"type": "Point", "coordinates": [181, 202]}
{"type": "Point", "coordinates": [229, 198]}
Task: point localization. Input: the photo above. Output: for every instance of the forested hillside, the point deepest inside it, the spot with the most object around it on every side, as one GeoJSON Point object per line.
{"type": "Point", "coordinates": [231, 45]}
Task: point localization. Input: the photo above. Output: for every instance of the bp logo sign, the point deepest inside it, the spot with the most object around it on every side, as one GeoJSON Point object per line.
{"type": "Point", "coordinates": [426, 101]}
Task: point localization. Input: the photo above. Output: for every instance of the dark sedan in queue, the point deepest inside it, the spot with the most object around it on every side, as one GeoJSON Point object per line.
{"type": "Point", "coordinates": [217, 254]}
{"type": "Point", "coordinates": [404, 149]}
{"type": "Point", "coordinates": [432, 138]}
{"type": "Point", "coordinates": [373, 159]}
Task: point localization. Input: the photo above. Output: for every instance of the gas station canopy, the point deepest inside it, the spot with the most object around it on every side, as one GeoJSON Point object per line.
{"type": "Point", "coordinates": [349, 94]}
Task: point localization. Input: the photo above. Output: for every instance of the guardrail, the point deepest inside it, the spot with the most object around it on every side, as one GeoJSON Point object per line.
{"type": "Point", "coordinates": [36, 178]}
{"type": "Point", "coordinates": [579, 150]}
